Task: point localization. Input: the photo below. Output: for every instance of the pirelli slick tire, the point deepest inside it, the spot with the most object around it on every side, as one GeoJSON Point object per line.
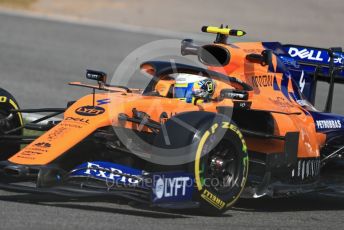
{"type": "Point", "coordinates": [216, 155]}
{"type": "Point", "coordinates": [8, 121]}
{"type": "Point", "coordinates": [220, 167]}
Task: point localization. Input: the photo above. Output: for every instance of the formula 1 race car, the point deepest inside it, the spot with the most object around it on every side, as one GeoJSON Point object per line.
{"type": "Point", "coordinates": [194, 137]}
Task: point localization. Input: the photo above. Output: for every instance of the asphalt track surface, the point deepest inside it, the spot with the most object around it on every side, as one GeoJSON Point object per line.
{"type": "Point", "coordinates": [37, 58]}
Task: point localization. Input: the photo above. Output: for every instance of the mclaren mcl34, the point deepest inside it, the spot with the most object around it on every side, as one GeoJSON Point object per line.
{"type": "Point", "coordinates": [244, 125]}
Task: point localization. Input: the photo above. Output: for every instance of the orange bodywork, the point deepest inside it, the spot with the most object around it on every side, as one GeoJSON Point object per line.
{"type": "Point", "coordinates": [288, 115]}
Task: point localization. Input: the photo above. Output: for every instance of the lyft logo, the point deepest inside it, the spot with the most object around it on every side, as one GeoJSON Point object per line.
{"type": "Point", "coordinates": [171, 187]}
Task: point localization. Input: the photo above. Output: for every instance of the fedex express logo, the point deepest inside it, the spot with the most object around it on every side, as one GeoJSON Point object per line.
{"type": "Point", "coordinates": [313, 55]}
{"type": "Point", "coordinates": [109, 172]}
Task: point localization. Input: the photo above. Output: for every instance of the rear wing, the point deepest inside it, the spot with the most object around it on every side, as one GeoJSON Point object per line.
{"type": "Point", "coordinates": [308, 65]}
{"type": "Point", "coordinates": [315, 60]}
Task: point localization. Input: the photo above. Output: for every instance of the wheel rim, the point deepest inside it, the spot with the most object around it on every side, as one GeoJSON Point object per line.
{"type": "Point", "coordinates": [3, 128]}
{"type": "Point", "coordinates": [223, 167]}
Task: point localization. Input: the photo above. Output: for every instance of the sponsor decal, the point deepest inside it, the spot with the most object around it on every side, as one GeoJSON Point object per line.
{"type": "Point", "coordinates": [242, 105]}
{"type": "Point", "coordinates": [43, 145]}
{"type": "Point", "coordinates": [71, 125]}
{"type": "Point", "coordinates": [56, 133]}
{"type": "Point", "coordinates": [228, 125]}
{"type": "Point", "coordinates": [337, 60]}
{"type": "Point", "coordinates": [289, 61]}
{"type": "Point", "coordinates": [212, 199]}
{"type": "Point", "coordinates": [280, 102]}
{"type": "Point", "coordinates": [31, 153]}
{"type": "Point", "coordinates": [328, 124]}
{"type": "Point", "coordinates": [36, 149]}
{"type": "Point", "coordinates": [252, 50]}
{"type": "Point", "coordinates": [110, 172]}
{"type": "Point", "coordinates": [171, 187]}
{"type": "Point", "coordinates": [312, 55]}
{"type": "Point", "coordinates": [90, 111]}
{"type": "Point", "coordinates": [262, 81]}
{"type": "Point", "coordinates": [235, 95]}
{"type": "Point", "coordinates": [23, 156]}
{"type": "Point", "coordinates": [103, 101]}
{"type": "Point", "coordinates": [76, 119]}
{"type": "Point", "coordinates": [302, 81]}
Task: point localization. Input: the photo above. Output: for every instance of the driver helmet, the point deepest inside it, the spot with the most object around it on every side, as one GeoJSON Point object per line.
{"type": "Point", "coordinates": [188, 87]}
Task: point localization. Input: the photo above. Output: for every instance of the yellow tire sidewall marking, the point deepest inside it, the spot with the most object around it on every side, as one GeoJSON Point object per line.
{"type": "Point", "coordinates": [198, 158]}
{"type": "Point", "coordinates": [225, 125]}
{"type": "Point", "coordinates": [3, 99]}
{"type": "Point", "coordinates": [15, 106]}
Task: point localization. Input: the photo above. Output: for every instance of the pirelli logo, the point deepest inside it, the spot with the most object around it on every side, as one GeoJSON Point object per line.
{"type": "Point", "coordinates": [262, 81]}
{"type": "Point", "coordinates": [213, 200]}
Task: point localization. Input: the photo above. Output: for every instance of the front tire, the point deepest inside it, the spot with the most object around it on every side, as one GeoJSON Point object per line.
{"type": "Point", "coordinates": [220, 168]}
{"type": "Point", "coordinates": [13, 120]}
{"type": "Point", "coordinates": [216, 153]}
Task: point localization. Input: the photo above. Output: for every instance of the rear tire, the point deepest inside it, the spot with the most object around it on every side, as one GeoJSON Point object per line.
{"type": "Point", "coordinates": [8, 103]}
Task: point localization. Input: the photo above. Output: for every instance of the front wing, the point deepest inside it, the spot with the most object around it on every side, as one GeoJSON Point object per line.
{"type": "Point", "coordinates": [100, 179]}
